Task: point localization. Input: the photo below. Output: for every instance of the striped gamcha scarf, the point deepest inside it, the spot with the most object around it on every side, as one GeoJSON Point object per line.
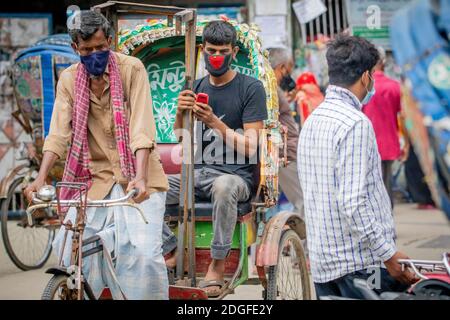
{"type": "Point", "coordinates": [77, 165]}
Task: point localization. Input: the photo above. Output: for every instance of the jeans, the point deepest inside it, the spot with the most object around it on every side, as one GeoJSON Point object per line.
{"type": "Point", "coordinates": [343, 287]}
{"type": "Point", "coordinates": [225, 191]}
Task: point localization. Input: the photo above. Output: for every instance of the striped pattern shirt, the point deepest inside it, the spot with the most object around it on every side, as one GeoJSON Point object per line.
{"type": "Point", "coordinates": [348, 213]}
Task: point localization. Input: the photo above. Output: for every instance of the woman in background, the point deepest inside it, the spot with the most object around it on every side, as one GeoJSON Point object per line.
{"type": "Point", "coordinates": [308, 96]}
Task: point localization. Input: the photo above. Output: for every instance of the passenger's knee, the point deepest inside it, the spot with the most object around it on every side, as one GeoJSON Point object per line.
{"type": "Point", "coordinates": [225, 186]}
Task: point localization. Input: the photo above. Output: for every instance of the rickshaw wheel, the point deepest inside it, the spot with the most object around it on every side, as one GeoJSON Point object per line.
{"type": "Point", "coordinates": [28, 247]}
{"type": "Point", "coordinates": [57, 289]}
{"type": "Point", "coordinates": [289, 279]}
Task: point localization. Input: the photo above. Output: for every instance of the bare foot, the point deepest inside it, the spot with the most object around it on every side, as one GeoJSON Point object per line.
{"type": "Point", "coordinates": [216, 271]}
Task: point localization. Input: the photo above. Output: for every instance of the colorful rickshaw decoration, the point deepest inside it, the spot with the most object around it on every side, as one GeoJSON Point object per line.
{"type": "Point", "coordinates": [35, 73]}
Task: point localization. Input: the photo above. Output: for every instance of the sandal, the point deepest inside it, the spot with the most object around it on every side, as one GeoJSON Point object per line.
{"type": "Point", "coordinates": [212, 283]}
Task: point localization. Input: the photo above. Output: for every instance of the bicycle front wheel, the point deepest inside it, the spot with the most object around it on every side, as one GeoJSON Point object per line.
{"type": "Point", "coordinates": [28, 247]}
{"type": "Point", "coordinates": [57, 289]}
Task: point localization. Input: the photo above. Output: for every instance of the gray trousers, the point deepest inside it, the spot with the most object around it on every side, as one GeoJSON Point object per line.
{"type": "Point", "coordinates": [225, 191]}
{"type": "Point", "coordinates": [290, 185]}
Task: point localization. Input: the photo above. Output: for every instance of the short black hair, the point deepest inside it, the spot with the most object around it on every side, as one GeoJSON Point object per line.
{"type": "Point", "coordinates": [219, 33]}
{"type": "Point", "coordinates": [348, 58]}
{"type": "Point", "coordinates": [87, 22]}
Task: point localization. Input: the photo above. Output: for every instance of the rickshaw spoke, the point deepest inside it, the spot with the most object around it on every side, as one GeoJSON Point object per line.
{"type": "Point", "coordinates": [289, 276]}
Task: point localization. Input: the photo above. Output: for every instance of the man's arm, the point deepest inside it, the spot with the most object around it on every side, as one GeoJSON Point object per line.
{"type": "Point", "coordinates": [142, 129]}
{"type": "Point", "coordinates": [233, 139]}
{"type": "Point", "coordinates": [140, 181]}
{"type": "Point", "coordinates": [59, 136]}
{"type": "Point", "coordinates": [142, 122]}
{"type": "Point", "coordinates": [253, 114]}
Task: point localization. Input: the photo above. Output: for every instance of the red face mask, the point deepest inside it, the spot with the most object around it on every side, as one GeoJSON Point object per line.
{"type": "Point", "coordinates": [216, 61]}
{"type": "Point", "coordinates": [218, 64]}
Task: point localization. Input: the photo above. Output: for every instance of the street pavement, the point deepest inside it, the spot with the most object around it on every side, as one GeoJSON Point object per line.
{"type": "Point", "coordinates": [422, 234]}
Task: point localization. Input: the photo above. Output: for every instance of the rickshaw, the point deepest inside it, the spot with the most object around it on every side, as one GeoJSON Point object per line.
{"type": "Point", "coordinates": [35, 73]}
{"type": "Point", "coordinates": [166, 40]}
{"type": "Point", "coordinates": [173, 62]}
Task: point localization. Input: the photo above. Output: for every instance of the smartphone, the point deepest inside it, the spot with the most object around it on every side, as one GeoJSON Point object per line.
{"type": "Point", "coordinates": [202, 98]}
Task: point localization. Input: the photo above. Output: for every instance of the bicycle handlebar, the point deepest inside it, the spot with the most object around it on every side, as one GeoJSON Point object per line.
{"type": "Point", "coordinates": [90, 203]}
{"type": "Point", "coordinates": [123, 201]}
{"type": "Point", "coordinates": [415, 265]}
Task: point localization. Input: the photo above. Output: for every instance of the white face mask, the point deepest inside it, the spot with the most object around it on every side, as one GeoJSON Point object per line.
{"type": "Point", "coordinates": [370, 93]}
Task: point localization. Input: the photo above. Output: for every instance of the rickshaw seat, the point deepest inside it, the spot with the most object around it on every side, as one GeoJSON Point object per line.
{"type": "Point", "coordinates": [204, 209]}
{"type": "Point", "coordinates": [166, 152]}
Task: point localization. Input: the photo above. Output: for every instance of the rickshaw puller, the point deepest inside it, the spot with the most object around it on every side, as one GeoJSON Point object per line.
{"type": "Point", "coordinates": [103, 109]}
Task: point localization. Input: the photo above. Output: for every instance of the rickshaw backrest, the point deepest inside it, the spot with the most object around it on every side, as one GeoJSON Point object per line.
{"type": "Point", "coordinates": [35, 74]}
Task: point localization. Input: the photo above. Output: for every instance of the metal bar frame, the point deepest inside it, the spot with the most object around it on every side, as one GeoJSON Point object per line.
{"type": "Point", "coordinates": [113, 10]}
{"type": "Point", "coordinates": [330, 15]}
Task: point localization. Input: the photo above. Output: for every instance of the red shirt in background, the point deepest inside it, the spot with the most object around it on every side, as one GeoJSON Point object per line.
{"type": "Point", "coordinates": [383, 110]}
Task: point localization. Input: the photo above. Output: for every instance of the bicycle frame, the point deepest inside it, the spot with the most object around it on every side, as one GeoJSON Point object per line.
{"type": "Point", "coordinates": [78, 230]}
{"type": "Point", "coordinates": [77, 227]}
{"type": "Point", "coordinates": [184, 21]}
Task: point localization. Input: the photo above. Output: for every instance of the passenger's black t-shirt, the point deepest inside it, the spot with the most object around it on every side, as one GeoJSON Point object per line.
{"type": "Point", "coordinates": [240, 101]}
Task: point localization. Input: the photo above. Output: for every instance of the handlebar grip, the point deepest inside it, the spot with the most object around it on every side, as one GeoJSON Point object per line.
{"type": "Point", "coordinates": [132, 193]}
{"type": "Point", "coordinates": [35, 199]}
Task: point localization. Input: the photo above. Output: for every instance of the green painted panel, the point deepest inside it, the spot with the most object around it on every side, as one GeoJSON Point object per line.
{"type": "Point", "coordinates": [166, 75]}
{"type": "Point", "coordinates": [243, 64]}
{"type": "Point", "coordinates": [204, 234]}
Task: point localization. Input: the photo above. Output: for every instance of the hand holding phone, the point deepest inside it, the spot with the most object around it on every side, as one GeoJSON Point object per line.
{"type": "Point", "coordinates": [186, 101]}
{"type": "Point", "coordinates": [202, 98]}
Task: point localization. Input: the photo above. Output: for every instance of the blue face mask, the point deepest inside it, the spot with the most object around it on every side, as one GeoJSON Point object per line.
{"type": "Point", "coordinates": [369, 94]}
{"type": "Point", "coordinates": [95, 63]}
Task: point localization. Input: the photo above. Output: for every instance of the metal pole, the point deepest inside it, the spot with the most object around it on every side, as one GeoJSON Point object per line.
{"type": "Point", "coordinates": [338, 16]}
{"type": "Point", "coordinates": [324, 24]}
{"type": "Point", "coordinates": [344, 15]}
{"type": "Point", "coordinates": [311, 32]}
{"type": "Point", "coordinates": [317, 26]}
{"type": "Point", "coordinates": [191, 41]}
{"type": "Point", "coordinates": [186, 222]}
{"type": "Point", "coordinates": [303, 28]}
{"type": "Point", "coordinates": [330, 15]}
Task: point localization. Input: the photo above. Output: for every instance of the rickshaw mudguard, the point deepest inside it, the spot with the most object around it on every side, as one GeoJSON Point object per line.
{"type": "Point", "coordinates": [7, 181]}
{"type": "Point", "coordinates": [267, 252]}
{"type": "Point", "coordinates": [57, 271]}
{"type": "Point", "coordinates": [157, 44]}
